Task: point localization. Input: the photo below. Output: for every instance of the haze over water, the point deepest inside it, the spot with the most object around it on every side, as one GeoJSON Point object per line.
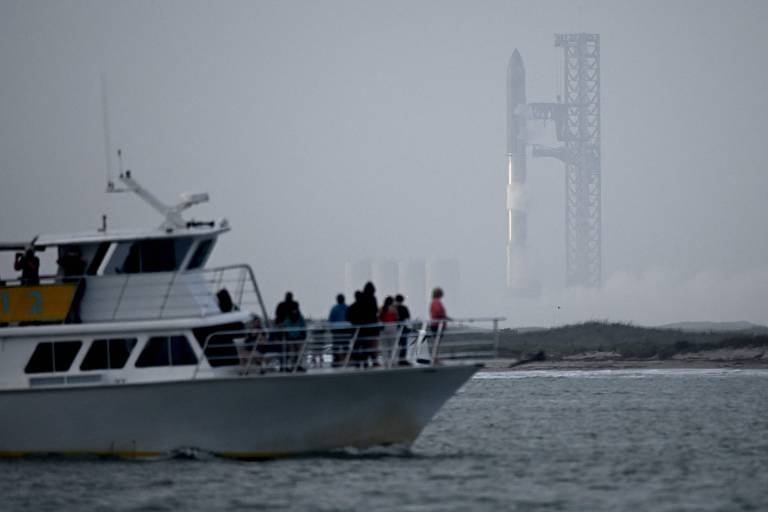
{"type": "Point", "coordinates": [335, 130]}
{"type": "Point", "coordinates": [657, 440]}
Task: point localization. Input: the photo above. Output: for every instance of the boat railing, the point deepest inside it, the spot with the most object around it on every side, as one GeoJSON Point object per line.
{"type": "Point", "coordinates": [152, 295]}
{"type": "Point", "coordinates": [324, 346]}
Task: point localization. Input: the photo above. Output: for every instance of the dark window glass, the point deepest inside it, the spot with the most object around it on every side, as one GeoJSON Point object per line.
{"type": "Point", "coordinates": [164, 351]}
{"type": "Point", "coordinates": [72, 261]}
{"type": "Point", "coordinates": [101, 251]}
{"type": "Point", "coordinates": [181, 352]}
{"type": "Point", "coordinates": [119, 351]}
{"type": "Point", "coordinates": [108, 354]}
{"type": "Point", "coordinates": [53, 357]}
{"type": "Point", "coordinates": [181, 248]}
{"type": "Point", "coordinates": [155, 353]}
{"type": "Point", "coordinates": [201, 253]}
{"type": "Point", "coordinates": [41, 360]}
{"type": "Point", "coordinates": [132, 263]}
{"type": "Point", "coordinates": [157, 255]}
{"type": "Point", "coordinates": [96, 358]}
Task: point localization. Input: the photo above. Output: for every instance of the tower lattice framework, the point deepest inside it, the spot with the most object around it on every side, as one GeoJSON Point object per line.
{"type": "Point", "coordinates": [577, 120]}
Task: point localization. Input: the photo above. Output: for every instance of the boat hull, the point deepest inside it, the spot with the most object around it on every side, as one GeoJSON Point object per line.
{"type": "Point", "coordinates": [251, 417]}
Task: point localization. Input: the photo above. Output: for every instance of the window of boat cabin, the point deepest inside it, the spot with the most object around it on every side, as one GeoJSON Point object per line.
{"type": "Point", "coordinates": [98, 258]}
{"type": "Point", "coordinates": [151, 255]}
{"type": "Point", "coordinates": [111, 354]}
{"type": "Point", "coordinates": [200, 256]}
{"type": "Point", "coordinates": [166, 351]}
{"type": "Point", "coordinates": [92, 256]}
{"type": "Point", "coordinates": [54, 356]}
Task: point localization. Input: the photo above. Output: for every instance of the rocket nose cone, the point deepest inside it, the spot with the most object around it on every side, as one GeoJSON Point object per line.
{"type": "Point", "coordinates": [516, 60]}
{"type": "Point", "coordinates": [515, 69]}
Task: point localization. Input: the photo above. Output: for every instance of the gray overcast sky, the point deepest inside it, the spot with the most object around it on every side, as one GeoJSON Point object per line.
{"type": "Point", "coordinates": [328, 131]}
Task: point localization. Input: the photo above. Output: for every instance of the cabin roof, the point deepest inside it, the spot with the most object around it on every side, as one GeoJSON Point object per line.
{"type": "Point", "coordinates": [119, 235]}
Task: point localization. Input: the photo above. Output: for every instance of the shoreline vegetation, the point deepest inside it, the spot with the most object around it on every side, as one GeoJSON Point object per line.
{"type": "Point", "coordinates": [612, 346]}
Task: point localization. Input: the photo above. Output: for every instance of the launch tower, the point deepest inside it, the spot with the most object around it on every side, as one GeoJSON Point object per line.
{"type": "Point", "coordinates": [577, 124]}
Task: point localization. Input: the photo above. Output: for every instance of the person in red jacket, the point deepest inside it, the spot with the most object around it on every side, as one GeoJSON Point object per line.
{"type": "Point", "coordinates": [437, 310]}
{"type": "Point", "coordinates": [388, 312]}
{"type": "Point", "coordinates": [388, 317]}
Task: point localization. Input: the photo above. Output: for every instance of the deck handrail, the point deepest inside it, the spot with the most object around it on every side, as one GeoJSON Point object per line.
{"type": "Point", "coordinates": [346, 346]}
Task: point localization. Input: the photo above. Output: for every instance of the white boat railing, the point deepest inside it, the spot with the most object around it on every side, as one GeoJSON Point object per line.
{"type": "Point", "coordinates": [324, 346]}
{"type": "Point", "coordinates": [181, 294]}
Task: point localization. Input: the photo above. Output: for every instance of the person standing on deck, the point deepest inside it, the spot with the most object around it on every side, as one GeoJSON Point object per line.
{"type": "Point", "coordinates": [71, 265]}
{"type": "Point", "coordinates": [29, 265]}
{"type": "Point", "coordinates": [285, 307]}
{"type": "Point", "coordinates": [277, 338]}
{"type": "Point", "coordinates": [295, 335]}
{"type": "Point", "coordinates": [339, 329]}
{"type": "Point", "coordinates": [437, 310]}
{"type": "Point", "coordinates": [355, 317]}
{"type": "Point", "coordinates": [403, 315]}
{"type": "Point", "coordinates": [369, 313]}
{"type": "Point", "coordinates": [388, 316]}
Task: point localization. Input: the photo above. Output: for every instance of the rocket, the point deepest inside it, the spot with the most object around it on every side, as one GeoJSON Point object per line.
{"type": "Point", "coordinates": [518, 280]}
{"type": "Point", "coordinates": [516, 118]}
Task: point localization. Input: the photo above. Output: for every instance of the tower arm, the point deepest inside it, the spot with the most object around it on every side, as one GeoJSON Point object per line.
{"type": "Point", "coordinates": [547, 111]}
{"type": "Point", "coordinates": [559, 152]}
{"type": "Point", "coordinates": [556, 112]}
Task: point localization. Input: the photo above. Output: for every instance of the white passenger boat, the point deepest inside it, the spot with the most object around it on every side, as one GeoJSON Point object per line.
{"type": "Point", "coordinates": [146, 351]}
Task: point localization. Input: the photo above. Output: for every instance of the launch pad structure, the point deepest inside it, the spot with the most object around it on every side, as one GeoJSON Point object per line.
{"type": "Point", "coordinates": [576, 116]}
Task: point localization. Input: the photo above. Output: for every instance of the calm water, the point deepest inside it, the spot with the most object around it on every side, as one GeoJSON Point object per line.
{"type": "Point", "coordinates": [623, 440]}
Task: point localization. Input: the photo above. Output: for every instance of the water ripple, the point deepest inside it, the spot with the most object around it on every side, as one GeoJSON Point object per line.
{"type": "Point", "coordinates": [543, 440]}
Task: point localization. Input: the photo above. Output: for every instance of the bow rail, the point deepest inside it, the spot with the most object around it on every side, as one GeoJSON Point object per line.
{"type": "Point", "coordinates": [326, 346]}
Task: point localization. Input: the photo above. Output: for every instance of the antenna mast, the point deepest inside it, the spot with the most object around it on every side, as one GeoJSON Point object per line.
{"type": "Point", "coordinates": [171, 214]}
{"type": "Point", "coordinates": [107, 137]}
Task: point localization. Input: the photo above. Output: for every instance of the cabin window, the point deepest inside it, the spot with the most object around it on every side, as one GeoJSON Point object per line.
{"type": "Point", "coordinates": [76, 260]}
{"type": "Point", "coordinates": [166, 351]}
{"type": "Point", "coordinates": [53, 356]}
{"type": "Point", "coordinates": [200, 255]}
{"type": "Point", "coordinates": [108, 354]}
{"type": "Point", "coordinates": [98, 257]}
{"type": "Point", "coordinates": [156, 255]}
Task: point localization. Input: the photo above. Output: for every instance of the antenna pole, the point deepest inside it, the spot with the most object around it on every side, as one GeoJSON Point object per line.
{"type": "Point", "coordinates": [107, 138]}
{"type": "Point", "coordinates": [120, 162]}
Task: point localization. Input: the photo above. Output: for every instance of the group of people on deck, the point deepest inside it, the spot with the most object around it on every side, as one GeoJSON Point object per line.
{"type": "Point", "coordinates": [375, 333]}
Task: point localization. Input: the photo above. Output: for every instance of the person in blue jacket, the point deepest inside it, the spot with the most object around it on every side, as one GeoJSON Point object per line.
{"type": "Point", "coordinates": [339, 330]}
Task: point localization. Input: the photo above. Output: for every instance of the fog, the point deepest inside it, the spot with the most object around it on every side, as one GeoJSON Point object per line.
{"type": "Point", "coordinates": [342, 130]}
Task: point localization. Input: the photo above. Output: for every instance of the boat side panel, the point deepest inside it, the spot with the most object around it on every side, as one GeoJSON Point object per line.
{"type": "Point", "coordinates": [267, 415]}
{"type": "Point", "coordinates": [13, 358]}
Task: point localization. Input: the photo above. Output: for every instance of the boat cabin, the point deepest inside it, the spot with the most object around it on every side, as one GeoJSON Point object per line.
{"type": "Point", "coordinates": [116, 306]}
{"type": "Point", "coordinates": [103, 276]}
